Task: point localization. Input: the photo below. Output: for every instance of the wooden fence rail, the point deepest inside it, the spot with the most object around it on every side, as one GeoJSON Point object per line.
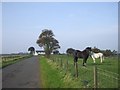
{"type": "Point", "coordinates": [77, 72]}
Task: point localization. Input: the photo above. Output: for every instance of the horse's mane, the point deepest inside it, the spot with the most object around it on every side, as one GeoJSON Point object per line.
{"type": "Point", "coordinates": [78, 50]}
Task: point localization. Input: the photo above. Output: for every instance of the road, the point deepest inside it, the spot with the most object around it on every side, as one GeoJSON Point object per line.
{"type": "Point", "coordinates": [23, 74]}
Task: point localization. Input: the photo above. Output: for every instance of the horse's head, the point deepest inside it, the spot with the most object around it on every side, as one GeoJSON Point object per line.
{"type": "Point", "coordinates": [89, 48]}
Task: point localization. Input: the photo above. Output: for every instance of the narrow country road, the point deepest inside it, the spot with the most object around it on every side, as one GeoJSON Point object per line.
{"type": "Point", "coordinates": [23, 74]}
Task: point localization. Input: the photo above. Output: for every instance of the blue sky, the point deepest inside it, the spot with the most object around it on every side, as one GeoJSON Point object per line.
{"type": "Point", "coordinates": [75, 25]}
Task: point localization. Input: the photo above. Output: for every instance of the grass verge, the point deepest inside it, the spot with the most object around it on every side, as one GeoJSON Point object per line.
{"type": "Point", "coordinates": [52, 76]}
{"type": "Point", "coordinates": [9, 62]}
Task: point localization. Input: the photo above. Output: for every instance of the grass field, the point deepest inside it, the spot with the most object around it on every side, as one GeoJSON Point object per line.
{"type": "Point", "coordinates": [8, 60]}
{"type": "Point", "coordinates": [109, 63]}
{"type": "Point", "coordinates": [107, 72]}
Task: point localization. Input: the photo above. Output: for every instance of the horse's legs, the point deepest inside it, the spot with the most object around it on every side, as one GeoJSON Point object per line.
{"type": "Point", "coordinates": [101, 59]}
{"type": "Point", "coordinates": [84, 62]}
{"type": "Point", "coordinates": [93, 59]}
{"type": "Point", "coordinates": [75, 60]}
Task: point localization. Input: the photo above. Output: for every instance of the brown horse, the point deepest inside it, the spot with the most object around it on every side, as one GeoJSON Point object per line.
{"type": "Point", "coordinates": [82, 54]}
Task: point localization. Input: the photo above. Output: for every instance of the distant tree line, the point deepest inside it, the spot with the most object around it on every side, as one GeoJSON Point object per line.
{"type": "Point", "coordinates": [70, 51]}
{"type": "Point", "coordinates": [106, 52]}
{"type": "Point", "coordinates": [56, 52]}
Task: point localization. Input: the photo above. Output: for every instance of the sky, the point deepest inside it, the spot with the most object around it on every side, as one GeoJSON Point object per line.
{"type": "Point", "coordinates": [75, 25]}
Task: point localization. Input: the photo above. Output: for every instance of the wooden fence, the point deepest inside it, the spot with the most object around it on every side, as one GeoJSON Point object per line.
{"type": "Point", "coordinates": [91, 78]}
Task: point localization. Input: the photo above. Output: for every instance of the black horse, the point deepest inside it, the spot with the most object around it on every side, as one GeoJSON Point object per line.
{"type": "Point", "coordinates": [82, 54]}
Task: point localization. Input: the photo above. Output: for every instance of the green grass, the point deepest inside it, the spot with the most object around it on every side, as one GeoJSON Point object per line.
{"type": "Point", "coordinates": [54, 77]}
{"type": "Point", "coordinates": [10, 60]}
{"type": "Point", "coordinates": [109, 63]}
{"type": "Point", "coordinates": [107, 71]}
{"type": "Point", "coordinates": [50, 76]}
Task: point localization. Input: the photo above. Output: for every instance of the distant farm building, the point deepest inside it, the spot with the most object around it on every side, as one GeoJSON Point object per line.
{"type": "Point", "coordinates": [40, 52]}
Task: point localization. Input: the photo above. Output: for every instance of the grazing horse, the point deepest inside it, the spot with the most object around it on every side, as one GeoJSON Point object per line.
{"type": "Point", "coordinates": [97, 55]}
{"type": "Point", "coordinates": [82, 54]}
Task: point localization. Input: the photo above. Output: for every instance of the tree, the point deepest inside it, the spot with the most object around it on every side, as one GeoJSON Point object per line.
{"type": "Point", "coordinates": [114, 52]}
{"type": "Point", "coordinates": [32, 50]}
{"type": "Point", "coordinates": [56, 52]}
{"type": "Point", "coordinates": [108, 52]}
{"type": "Point", "coordinates": [70, 51]}
{"type": "Point", "coordinates": [48, 42]}
{"type": "Point", "coordinates": [96, 50]}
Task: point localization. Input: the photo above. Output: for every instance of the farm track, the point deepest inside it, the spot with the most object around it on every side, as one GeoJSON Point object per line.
{"type": "Point", "coordinates": [23, 74]}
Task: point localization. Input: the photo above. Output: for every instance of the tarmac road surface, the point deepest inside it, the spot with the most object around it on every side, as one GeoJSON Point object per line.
{"type": "Point", "coordinates": [23, 74]}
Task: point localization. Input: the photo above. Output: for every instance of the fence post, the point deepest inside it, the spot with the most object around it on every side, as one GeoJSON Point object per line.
{"type": "Point", "coordinates": [61, 62]}
{"type": "Point", "coordinates": [95, 77]}
{"type": "Point", "coordinates": [67, 65]}
{"type": "Point", "coordinates": [76, 69]}
{"type": "Point", "coordinates": [58, 61]}
{"type": "Point", "coordinates": [53, 59]}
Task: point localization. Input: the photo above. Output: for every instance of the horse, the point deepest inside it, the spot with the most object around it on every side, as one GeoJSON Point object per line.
{"type": "Point", "coordinates": [82, 54]}
{"type": "Point", "coordinates": [97, 55]}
